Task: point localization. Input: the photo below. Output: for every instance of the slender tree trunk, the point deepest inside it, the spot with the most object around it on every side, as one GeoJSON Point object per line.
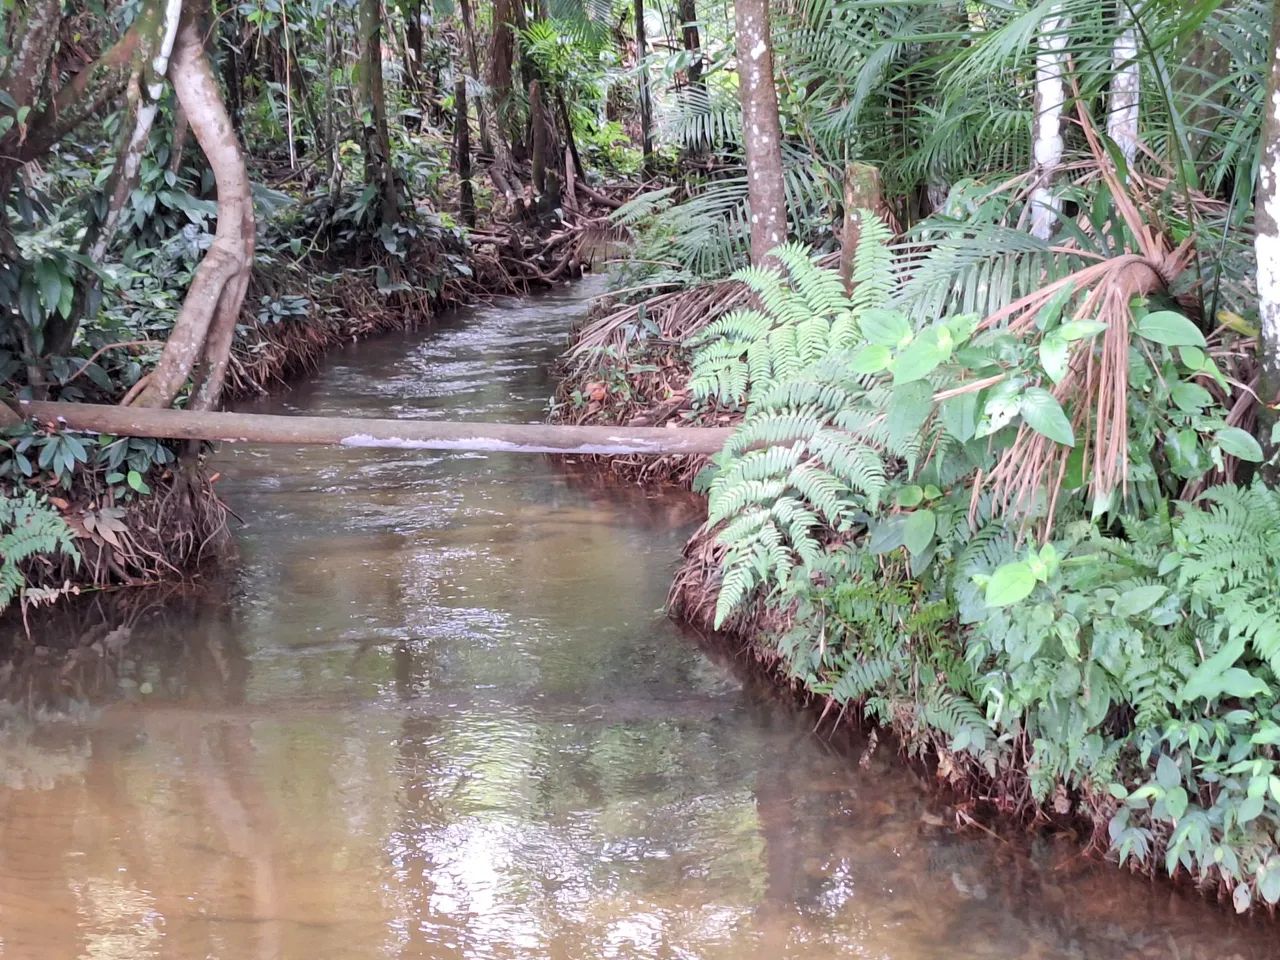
{"type": "Point", "coordinates": [413, 54]}
{"type": "Point", "coordinates": [1046, 140]}
{"type": "Point", "coordinates": [762, 130]}
{"type": "Point", "coordinates": [200, 344]}
{"type": "Point", "coordinates": [696, 86]}
{"type": "Point", "coordinates": [501, 61]}
{"type": "Point", "coordinates": [462, 151]}
{"type": "Point", "coordinates": [1126, 86]}
{"type": "Point", "coordinates": [538, 121]}
{"type": "Point", "coordinates": [473, 60]}
{"type": "Point", "coordinates": [861, 198]}
{"type": "Point", "coordinates": [377, 141]}
{"type": "Point", "coordinates": [1267, 248]}
{"type": "Point", "coordinates": [502, 169]}
{"type": "Point", "coordinates": [646, 106]}
{"type": "Point", "coordinates": [688, 13]}
{"type": "Point", "coordinates": [528, 76]}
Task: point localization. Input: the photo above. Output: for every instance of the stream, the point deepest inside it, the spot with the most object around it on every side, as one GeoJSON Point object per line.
{"type": "Point", "coordinates": [435, 711]}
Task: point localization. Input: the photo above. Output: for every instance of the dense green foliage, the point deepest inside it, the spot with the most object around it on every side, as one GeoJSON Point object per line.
{"type": "Point", "coordinates": [29, 527]}
{"type": "Point", "coordinates": [1128, 654]}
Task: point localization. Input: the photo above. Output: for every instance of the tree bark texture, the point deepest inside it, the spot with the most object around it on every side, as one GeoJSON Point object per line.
{"type": "Point", "coordinates": [373, 101]}
{"type": "Point", "coordinates": [200, 344]}
{"type": "Point", "coordinates": [1046, 140]}
{"type": "Point", "coordinates": [646, 107]}
{"type": "Point", "coordinates": [762, 130]}
{"type": "Point", "coordinates": [473, 60]}
{"type": "Point", "coordinates": [688, 13]}
{"type": "Point", "coordinates": [462, 151]}
{"type": "Point", "coordinates": [861, 198]}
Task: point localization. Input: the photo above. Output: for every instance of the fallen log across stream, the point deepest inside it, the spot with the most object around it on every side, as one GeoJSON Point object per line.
{"type": "Point", "coordinates": [359, 432]}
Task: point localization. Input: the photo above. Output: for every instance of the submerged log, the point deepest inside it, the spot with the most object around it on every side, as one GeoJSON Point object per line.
{"type": "Point", "coordinates": [357, 432]}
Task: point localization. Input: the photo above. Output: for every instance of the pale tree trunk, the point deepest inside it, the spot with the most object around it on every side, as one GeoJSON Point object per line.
{"type": "Point", "coordinates": [1126, 86]}
{"type": "Point", "coordinates": [646, 108]}
{"type": "Point", "coordinates": [200, 345]}
{"type": "Point", "coordinates": [1046, 141]}
{"type": "Point", "coordinates": [761, 129]}
{"type": "Point", "coordinates": [377, 140]}
{"type": "Point", "coordinates": [1267, 248]}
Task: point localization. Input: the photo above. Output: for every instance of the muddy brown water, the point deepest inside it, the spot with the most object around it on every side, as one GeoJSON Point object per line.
{"type": "Point", "coordinates": [436, 712]}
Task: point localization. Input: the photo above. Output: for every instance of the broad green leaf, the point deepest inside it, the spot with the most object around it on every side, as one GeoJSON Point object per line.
{"type": "Point", "coordinates": [1205, 679]}
{"type": "Point", "coordinates": [1043, 414]}
{"type": "Point", "coordinates": [909, 406]}
{"type": "Point", "coordinates": [1239, 443]}
{"type": "Point", "coordinates": [1190, 397]}
{"type": "Point", "coordinates": [1054, 354]}
{"type": "Point", "coordinates": [134, 479]}
{"type": "Point", "coordinates": [1175, 802]}
{"type": "Point", "coordinates": [910, 496]}
{"type": "Point", "coordinates": [961, 327]}
{"type": "Point", "coordinates": [917, 532]}
{"type": "Point", "coordinates": [1249, 809]}
{"type": "Point", "coordinates": [1269, 880]}
{"type": "Point", "coordinates": [1010, 583]}
{"type": "Point", "coordinates": [1241, 684]}
{"type": "Point", "coordinates": [885, 327]}
{"type": "Point", "coordinates": [887, 535]}
{"type": "Point", "coordinates": [1193, 358]}
{"type": "Point", "coordinates": [1135, 601]}
{"type": "Point", "coordinates": [871, 359]}
{"type": "Point", "coordinates": [1051, 312]}
{"type": "Point", "coordinates": [1000, 407]}
{"type": "Point", "coordinates": [960, 415]}
{"type": "Point", "coordinates": [49, 278]}
{"type": "Point", "coordinates": [1171, 329]}
{"type": "Point", "coordinates": [1080, 329]}
{"type": "Point", "coordinates": [919, 359]}
{"type": "Point", "coordinates": [1167, 773]}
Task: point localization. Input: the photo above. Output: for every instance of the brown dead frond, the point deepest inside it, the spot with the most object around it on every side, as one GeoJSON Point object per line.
{"type": "Point", "coordinates": [1095, 388]}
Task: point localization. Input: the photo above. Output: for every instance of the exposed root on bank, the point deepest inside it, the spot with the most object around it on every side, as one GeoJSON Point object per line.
{"type": "Point", "coordinates": [127, 540]}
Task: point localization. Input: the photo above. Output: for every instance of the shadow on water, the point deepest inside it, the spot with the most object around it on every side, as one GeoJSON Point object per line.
{"type": "Point", "coordinates": [435, 712]}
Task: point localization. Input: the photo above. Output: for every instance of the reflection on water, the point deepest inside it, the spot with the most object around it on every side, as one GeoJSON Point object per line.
{"type": "Point", "coordinates": [436, 712]}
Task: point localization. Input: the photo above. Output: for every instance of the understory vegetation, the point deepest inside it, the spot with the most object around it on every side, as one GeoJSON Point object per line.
{"type": "Point", "coordinates": [1005, 395]}
{"type": "Point", "coordinates": [200, 199]}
